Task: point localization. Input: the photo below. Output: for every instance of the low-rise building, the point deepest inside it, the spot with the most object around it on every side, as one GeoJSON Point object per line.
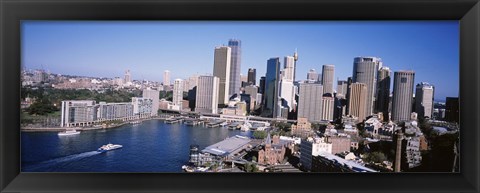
{"type": "Point", "coordinates": [326, 162]}
{"type": "Point", "coordinates": [302, 129]}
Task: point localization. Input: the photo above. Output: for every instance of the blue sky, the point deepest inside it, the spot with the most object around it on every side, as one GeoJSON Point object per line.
{"type": "Point", "coordinates": [147, 48]}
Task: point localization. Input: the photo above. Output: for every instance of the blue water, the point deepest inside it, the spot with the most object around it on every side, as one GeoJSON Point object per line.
{"type": "Point", "coordinates": [152, 146]}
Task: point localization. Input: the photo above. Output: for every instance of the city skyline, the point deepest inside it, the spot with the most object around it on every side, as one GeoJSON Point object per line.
{"type": "Point", "coordinates": [43, 46]}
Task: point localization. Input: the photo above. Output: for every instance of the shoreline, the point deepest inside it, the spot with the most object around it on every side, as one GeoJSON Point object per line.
{"type": "Point", "coordinates": [60, 129]}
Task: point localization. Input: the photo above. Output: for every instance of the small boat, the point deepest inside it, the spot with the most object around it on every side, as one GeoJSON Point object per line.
{"type": "Point", "coordinates": [109, 147]}
{"type": "Point", "coordinates": [69, 132]}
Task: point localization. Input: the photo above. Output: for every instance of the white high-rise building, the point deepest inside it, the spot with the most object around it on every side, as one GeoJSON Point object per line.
{"type": "Point", "coordinates": [192, 82]}
{"type": "Point", "coordinates": [312, 75]}
{"type": "Point", "coordinates": [310, 101]}
{"type": "Point", "coordinates": [142, 107]}
{"type": "Point", "coordinates": [155, 96]}
{"type": "Point", "coordinates": [289, 68]}
{"type": "Point", "coordinates": [424, 99]}
{"type": "Point", "coordinates": [178, 93]}
{"type": "Point", "coordinates": [166, 77]}
{"type": "Point", "coordinates": [221, 69]}
{"type": "Point", "coordinates": [287, 92]}
{"type": "Point", "coordinates": [206, 100]}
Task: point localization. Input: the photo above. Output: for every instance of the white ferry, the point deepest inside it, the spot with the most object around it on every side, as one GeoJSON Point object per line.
{"type": "Point", "coordinates": [109, 147]}
{"type": "Point", "coordinates": [69, 132]}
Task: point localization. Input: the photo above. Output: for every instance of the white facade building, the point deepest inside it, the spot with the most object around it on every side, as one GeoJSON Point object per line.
{"type": "Point", "coordinates": [207, 94]}
{"type": "Point", "coordinates": [178, 93]}
{"type": "Point", "coordinates": [155, 96]}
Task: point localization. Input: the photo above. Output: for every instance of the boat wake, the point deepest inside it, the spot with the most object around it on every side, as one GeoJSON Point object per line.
{"type": "Point", "coordinates": [45, 165]}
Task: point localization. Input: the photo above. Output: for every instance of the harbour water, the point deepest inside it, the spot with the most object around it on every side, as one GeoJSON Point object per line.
{"type": "Point", "coordinates": [151, 146]}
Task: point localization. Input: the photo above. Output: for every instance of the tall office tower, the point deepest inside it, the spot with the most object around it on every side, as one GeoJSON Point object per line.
{"type": "Point", "coordinates": [221, 69]}
{"type": "Point", "coordinates": [166, 77]}
{"type": "Point", "coordinates": [310, 101]}
{"type": "Point", "coordinates": [365, 71]}
{"type": "Point", "coordinates": [356, 101]}
{"type": "Point", "coordinates": [128, 76]}
{"type": "Point", "coordinates": [155, 96]}
{"type": "Point", "coordinates": [178, 93]}
{"type": "Point", "coordinates": [252, 76]}
{"type": "Point", "coordinates": [349, 83]}
{"type": "Point", "coordinates": [312, 75]}
{"type": "Point", "coordinates": [272, 79]}
{"type": "Point", "coordinates": [261, 86]}
{"type": "Point", "coordinates": [235, 64]}
{"type": "Point", "coordinates": [287, 93]}
{"type": "Point", "coordinates": [383, 91]}
{"type": "Point", "coordinates": [424, 99]}
{"type": "Point", "coordinates": [252, 90]}
{"type": "Point", "coordinates": [192, 82]}
{"type": "Point", "coordinates": [289, 68]}
{"type": "Point", "coordinates": [328, 73]}
{"type": "Point", "coordinates": [402, 95]}
{"type": "Point", "coordinates": [206, 100]}
{"type": "Point", "coordinates": [327, 108]}
{"type": "Point", "coordinates": [451, 109]}
{"type": "Point", "coordinates": [295, 59]}
{"type": "Point", "coordinates": [342, 87]}
{"type": "Point", "coordinates": [186, 85]}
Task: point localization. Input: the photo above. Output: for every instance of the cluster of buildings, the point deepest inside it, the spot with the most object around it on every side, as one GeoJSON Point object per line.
{"type": "Point", "coordinates": [88, 112]}
{"type": "Point", "coordinates": [388, 114]}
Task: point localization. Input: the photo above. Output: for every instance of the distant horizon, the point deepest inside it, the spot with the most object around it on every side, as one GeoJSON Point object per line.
{"type": "Point", "coordinates": [107, 49]}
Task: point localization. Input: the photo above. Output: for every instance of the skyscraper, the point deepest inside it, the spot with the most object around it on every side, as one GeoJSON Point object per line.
{"type": "Point", "coordinates": [252, 76]}
{"type": "Point", "coordinates": [221, 69]}
{"type": "Point", "coordinates": [424, 99]}
{"type": "Point", "coordinates": [155, 96]}
{"type": "Point", "coordinates": [206, 100]}
{"type": "Point", "coordinates": [289, 68]}
{"type": "Point", "coordinates": [128, 76]}
{"type": "Point", "coordinates": [402, 95]}
{"type": "Point", "coordinates": [383, 91]}
{"type": "Point", "coordinates": [312, 75]}
{"type": "Point", "coordinates": [452, 110]}
{"type": "Point", "coordinates": [166, 77]}
{"type": "Point", "coordinates": [192, 82]}
{"type": "Point", "coordinates": [235, 66]}
{"type": "Point", "coordinates": [328, 73]}
{"type": "Point", "coordinates": [342, 87]}
{"type": "Point", "coordinates": [356, 100]}
{"type": "Point", "coordinates": [295, 59]}
{"type": "Point", "coordinates": [310, 101]}
{"type": "Point", "coordinates": [365, 71]}
{"type": "Point", "coordinates": [272, 79]}
{"type": "Point", "coordinates": [178, 93]}
{"type": "Point", "coordinates": [327, 108]}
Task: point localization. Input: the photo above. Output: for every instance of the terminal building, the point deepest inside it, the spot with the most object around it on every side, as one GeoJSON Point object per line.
{"type": "Point", "coordinates": [229, 147]}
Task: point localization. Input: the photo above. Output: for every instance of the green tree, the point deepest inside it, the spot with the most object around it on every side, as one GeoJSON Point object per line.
{"type": "Point", "coordinates": [259, 134]}
{"type": "Point", "coordinates": [42, 106]}
{"type": "Point", "coordinates": [375, 157]}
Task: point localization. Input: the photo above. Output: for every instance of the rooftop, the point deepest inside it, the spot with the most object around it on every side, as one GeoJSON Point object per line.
{"type": "Point", "coordinates": [348, 163]}
{"type": "Point", "coordinates": [227, 146]}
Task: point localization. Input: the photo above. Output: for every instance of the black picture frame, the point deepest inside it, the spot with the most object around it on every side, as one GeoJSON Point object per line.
{"type": "Point", "coordinates": [13, 11]}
